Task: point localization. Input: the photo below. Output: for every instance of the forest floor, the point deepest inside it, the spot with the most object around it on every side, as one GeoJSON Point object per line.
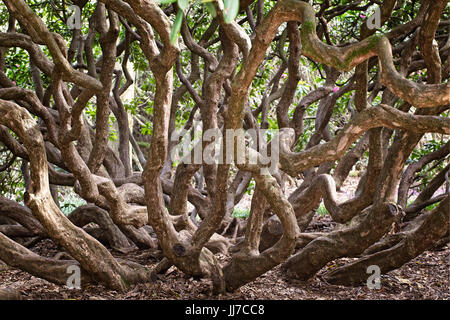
{"type": "Point", "coordinates": [425, 277]}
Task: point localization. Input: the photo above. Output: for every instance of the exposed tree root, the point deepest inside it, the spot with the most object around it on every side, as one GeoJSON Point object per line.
{"type": "Point", "coordinates": [84, 215]}
{"type": "Point", "coordinates": [373, 224]}
{"type": "Point", "coordinates": [413, 243]}
{"type": "Point", "coordinates": [9, 294]}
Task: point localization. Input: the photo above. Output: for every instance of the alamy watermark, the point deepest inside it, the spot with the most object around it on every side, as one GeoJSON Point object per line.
{"type": "Point", "coordinates": [259, 148]}
{"type": "Point", "coordinates": [74, 21]}
{"type": "Point", "coordinates": [74, 280]}
{"type": "Point", "coordinates": [374, 21]}
{"type": "Point", "coordinates": [374, 281]}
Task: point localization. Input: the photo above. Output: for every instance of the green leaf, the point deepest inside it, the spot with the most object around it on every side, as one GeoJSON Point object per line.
{"type": "Point", "coordinates": [165, 1]}
{"type": "Point", "coordinates": [230, 10]}
{"type": "Point", "coordinates": [176, 26]}
{"type": "Point", "coordinates": [183, 4]}
{"type": "Point", "coordinates": [210, 8]}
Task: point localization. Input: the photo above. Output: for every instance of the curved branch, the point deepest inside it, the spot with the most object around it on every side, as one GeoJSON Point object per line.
{"type": "Point", "coordinates": [93, 257]}
{"type": "Point", "coordinates": [381, 115]}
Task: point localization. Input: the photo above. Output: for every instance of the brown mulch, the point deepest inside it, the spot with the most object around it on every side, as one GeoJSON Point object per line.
{"type": "Point", "coordinates": [425, 277]}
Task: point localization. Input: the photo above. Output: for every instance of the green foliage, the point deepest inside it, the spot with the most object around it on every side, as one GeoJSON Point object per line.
{"type": "Point", "coordinates": [273, 123]}
{"type": "Point", "coordinates": [18, 69]}
{"type": "Point", "coordinates": [230, 11]}
{"type": "Point", "coordinates": [69, 200]}
{"type": "Point", "coordinates": [431, 207]}
{"type": "Point", "coordinates": [143, 144]}
{"type": "Point", "coordinates": [12, 185]}
{"type": "Point", "coordinates": [251, 187]}
{"type": "Point", "coordinates": [113, 136]}
{"type": "Point", "coordinates": [90, 111]}
{"type": "Point", "coordinates": [183, 4]}
{"type": "Point", "coordinates": [428, 147]}
{"type": "Point", "coordinates": [210, 8]}
{"type": "Point", "coordinates": [430, 170]}
{"type": "Point", "coordinates": [138, 58]}
{"type": "Point", "coordinates": [176, 26]}
{"type": "Point", "coordinates": [147, 128]}
{"type": "Point", "coordinates": [321, 210]}
{"type": "Point", "coordinates": [240, 213]}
